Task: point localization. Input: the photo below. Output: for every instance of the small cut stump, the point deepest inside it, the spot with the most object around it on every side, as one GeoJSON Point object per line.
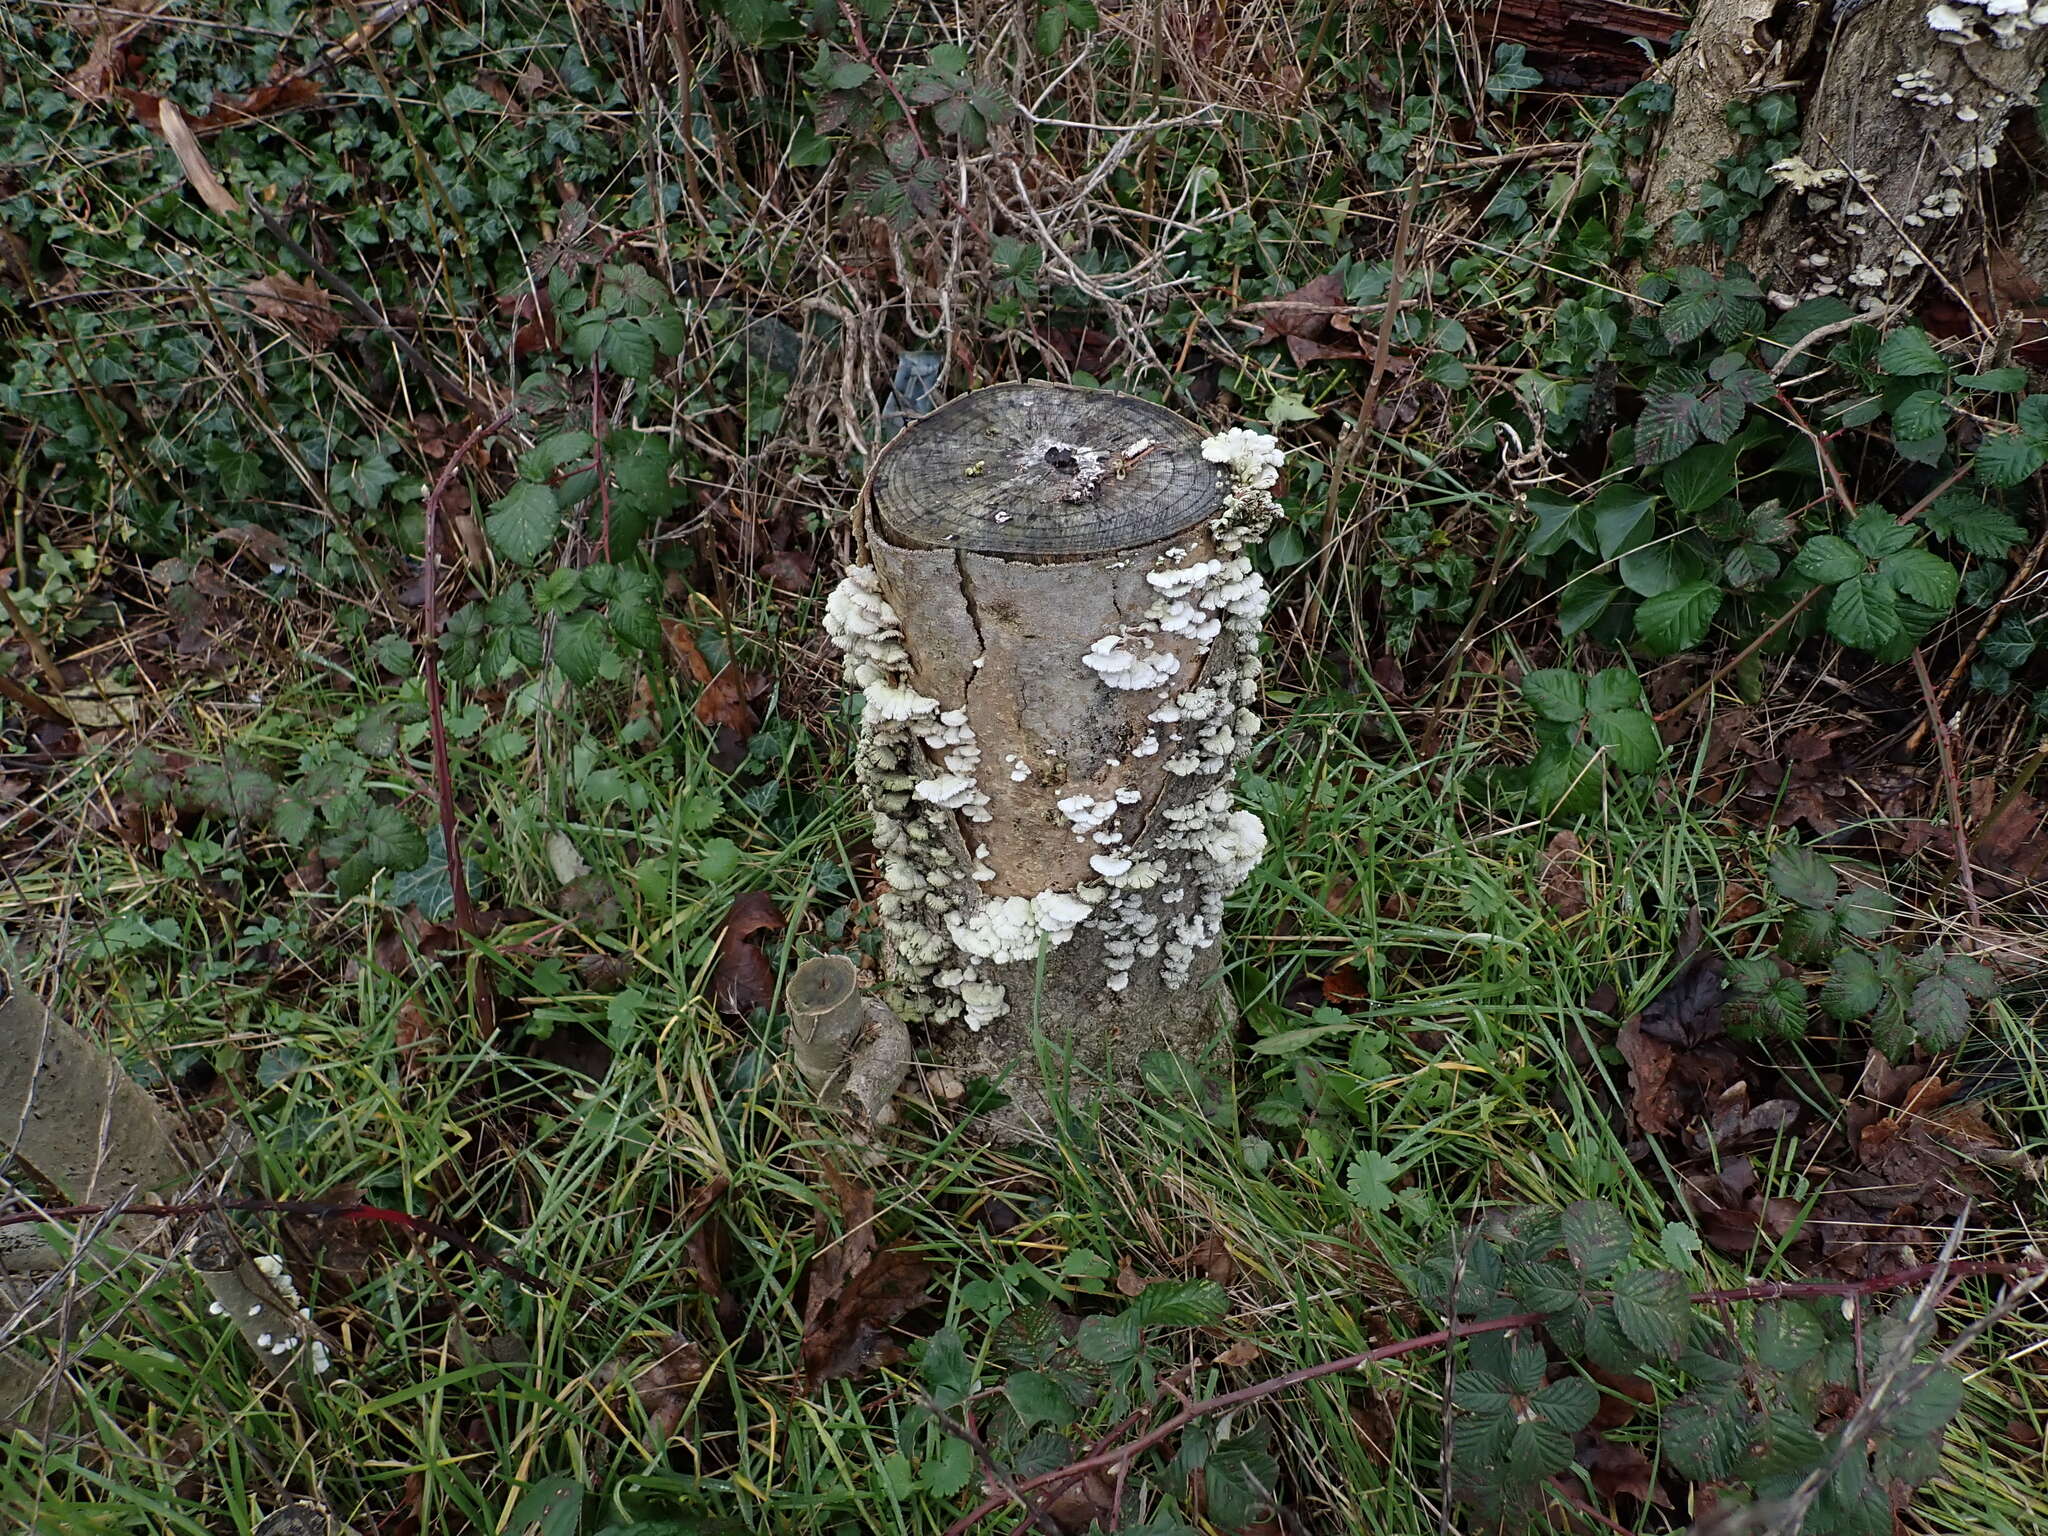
{"type": "Point", "coordinates": [1055, 631]}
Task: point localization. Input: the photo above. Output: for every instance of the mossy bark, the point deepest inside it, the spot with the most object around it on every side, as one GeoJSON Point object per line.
{"type": "Point", "coordinates": [1053, 599]}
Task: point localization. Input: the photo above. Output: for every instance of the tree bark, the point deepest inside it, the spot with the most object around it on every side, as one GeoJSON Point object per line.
{"type": "Point", "coordinates": [1055, 632]}
{"type": "Point", "coordinates": [1907, 111]}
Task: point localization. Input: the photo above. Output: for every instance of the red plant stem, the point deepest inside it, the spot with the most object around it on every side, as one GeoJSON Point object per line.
{"type": "Point", "coordinates": [314, 1210]}
{"type": "Point", "coordinates": [430, 667]}
{"type": "Point", "coordinates": [1784, 1290]}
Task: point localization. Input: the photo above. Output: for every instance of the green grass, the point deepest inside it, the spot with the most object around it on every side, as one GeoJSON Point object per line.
{"type": "Point", "coordinates": [464, 1389]}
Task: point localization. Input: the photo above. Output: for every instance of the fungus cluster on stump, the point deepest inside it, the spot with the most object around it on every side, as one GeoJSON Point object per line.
{"type": "Point", "coordinates": [1054, 628]}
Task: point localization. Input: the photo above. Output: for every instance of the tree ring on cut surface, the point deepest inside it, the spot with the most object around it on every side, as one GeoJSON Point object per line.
{"type": "Point", "coordinates": [1044, 472]}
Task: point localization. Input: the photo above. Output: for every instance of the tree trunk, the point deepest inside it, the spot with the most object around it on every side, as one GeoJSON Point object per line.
{"type": "Point", "coordinates": [1055, 632]}
{"type": "Point", "coordinates": [1907, 111]}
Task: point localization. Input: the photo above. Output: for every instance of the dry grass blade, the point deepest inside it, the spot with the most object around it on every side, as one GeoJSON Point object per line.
{"type": "Point", "coordinates": [185, 145]}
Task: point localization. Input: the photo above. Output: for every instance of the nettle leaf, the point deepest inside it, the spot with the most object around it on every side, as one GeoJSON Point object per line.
{"type": "Point", "coordinates": [1923, 576]}
{"type": "Point", "coordinates": [1907, 353]}
{"type": "Point", "coordinates": [1804, 877]}
{"type": "Point", "coordinates": [1863, 613]}
{"type": "Point", "coordinates": [522, 524]}
{"type": "Point", "coordinates": [1828, 560]}
{"type": "Point", "coordinates": [1597, 1237]}
{"type": "Point", "coordinates": [1853, 988]}
{"type": "Point", "coordinates": [1653, 1309]}
{"type": "Point", "coordinates": [1556, 693]}
{"type": "Point", "coordinates": [1631, 739]}
{"type": "Point", "coordinates": [1678, 620]}
{"type": "Point", "coordinates": [1939, 1012]}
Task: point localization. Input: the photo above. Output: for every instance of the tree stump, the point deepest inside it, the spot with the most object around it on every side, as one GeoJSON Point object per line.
{"type": "Point", "coordinates": [1055, 632]}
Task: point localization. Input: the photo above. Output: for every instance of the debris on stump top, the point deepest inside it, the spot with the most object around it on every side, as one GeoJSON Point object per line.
{"type": "Point", "coordinates": [1044, 472]}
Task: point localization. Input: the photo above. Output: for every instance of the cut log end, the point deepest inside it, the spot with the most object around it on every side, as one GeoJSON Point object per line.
{"type": "Point", "coordinates": [1044, 472]}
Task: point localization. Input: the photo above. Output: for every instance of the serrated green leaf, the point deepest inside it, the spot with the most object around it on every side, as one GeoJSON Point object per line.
{"type": "Point", "coordinates": [2008, 458]}
{"type": "Point", "coordinates": [392, 842]}
{"type": "Point", "coordinates": [1787, 1338]}
{"type": "Point", "coordinates": [1596, 1236]}
{"type": "Point", "coordinates": [1999, 381]}
{"type": "Point", "coordinates": [1180, 1304]}
{"type": "Point", "coordinates": [1750, 564]}
{"type": "Point", "coordinates": [1701, 1434]}
{"type": "Point", "coordinates": [1482, 1393]}
{"type": "Point", "coordinates": [1038, 1398]}
{"type": "Point", "coordinates": [1876, 533]}
{"type": "Point", "coordinates": [580, 648]}
{"type": "Point", "coordinates": [1778, 1011]}
{"type": "Point", "coordinates": [1867, 910]}
{"type": "Point", "coordinates": [1582, 603]}
{"type": "Point", "coordinates": [1678, 620]}
{"type": "Point", "coordinates": [1808, 935]}
{"type": "Point", "coordinates": [1667, 427]}
{"type": "Point", "coordinates": [950, 1472]}
{"type": "Point", "coordinates": [1907, 353]}
{"type": "Point", "coordinates": [1607, 1346]}
{"type": "Point", "coordinates": [1661, 566]}
{"type": "Point", "coordinates": [552, 452]}
{"type": "Point", "coordinates": [1653, 1310]}
{"type": "Point", "coordinates": [1926, 1411]}
{"type": "Point", "coordinates": [1555, 693]}
{"type": "Point", "coordinates": [1923, 413]}
{"type": "Point", "coordinates": [522, 523]}
{"type": "Point", "coordinates": [1863, 613]}
{"type": "Point", "coordinates": [947, 1371]}
{"type": "Point", "coordinates": [1538, 1449]}
{"type": "Point", "coordinates": [1569, 1402]}
{"type": "Point", "coordinates": [1613, 688]}
{"type": "Point", "coordinates": [1853, 988]}
{"type": "Point", "coordinates": [1923, 576]}
{"type": "Point", "coordinates": [1689, 315]}
{"type": "Point", "coordinates": [1973, 976]}
{"type": "Point", "coordinates": [1700, 477]}
{"type": "Point", "coordinates": [1804, 877]}
{"type": "Point", "coordinates": [1631, 739]}
{"type": "Point", "coordinates": [1621, 519]}
{"type": "Point", "coordinates": [1939, 1013]}
{"type": "Point", "coordinates": [1828, 560]}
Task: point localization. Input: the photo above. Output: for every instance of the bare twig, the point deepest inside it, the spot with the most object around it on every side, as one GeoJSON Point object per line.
{"type": "Point", "coordinates": [1957, 833]}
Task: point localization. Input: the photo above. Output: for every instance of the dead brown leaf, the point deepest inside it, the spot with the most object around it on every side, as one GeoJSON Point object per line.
{"type": "Point", "coordinates": [854, 1327]}
{"type": "Point", "coordinates": [1620, 1471]}
{"type": "Point", "coordinates": [743, 980]}
{"type": "Point", "coordinates": [304, 308]}
{"type": "Point", "coordinates": [1564, 888]}
{"type": "Point", "coordinates": [667, 1386]}
{"type": "Point", "coordinates": [725, 704]}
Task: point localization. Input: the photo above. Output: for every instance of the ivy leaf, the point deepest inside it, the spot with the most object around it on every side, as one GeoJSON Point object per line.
{"type": "Point", "coordinates": [1853, 988]}
{"type": "Point", "coordinates": [1555, 693]}
{"type": "Point", "coordinates": [1597, 1237]}
{"type": "Point", "coordinates": [1653, 1309]}
{"type": "Point", "coordinates": [1907, 353]}
{"type": "Point", "coordinates": [1677, 620]}
{"type": "Point", "coordinates": [1923, 576]}
{"type": "Point", "coordinates": [1863, 613]}
{"type": "Point", "coordinates": [1803, 877]}
{"type": "Point", "coordinates": [1631, 739]}
{"type": "Point", "coordinates": [1939, 1012]}
{"type": "Point", "coordinates": [523, 523]}
{"type": "Point", "coordinates": [1827, 560]}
